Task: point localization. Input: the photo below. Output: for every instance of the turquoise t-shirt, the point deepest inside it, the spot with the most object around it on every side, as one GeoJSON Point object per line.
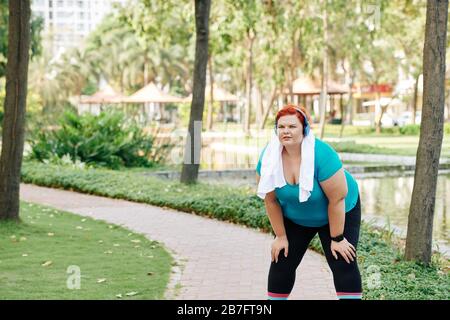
{"type": "Point", "coordinates": [314, 211]}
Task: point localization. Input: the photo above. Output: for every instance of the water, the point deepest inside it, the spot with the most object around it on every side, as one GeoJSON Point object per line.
{"type": "Point", "coordinates": [387, 201]}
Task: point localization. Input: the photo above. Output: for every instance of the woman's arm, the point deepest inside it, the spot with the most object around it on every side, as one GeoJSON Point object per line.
{"type": "Point", "coordinates": [335, 189]}
{"type": "Point", "coordinates": [274, 212]}
{"type": "Point", "coordinates": [276, 220]}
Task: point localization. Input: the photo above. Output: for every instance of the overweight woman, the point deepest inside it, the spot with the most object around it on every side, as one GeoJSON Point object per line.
{"type": "Point", "coordinates": [311, 193]}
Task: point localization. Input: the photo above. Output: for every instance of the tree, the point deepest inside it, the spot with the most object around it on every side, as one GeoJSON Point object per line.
{"type": "Point", "coordinates": [15, 103]}
{"type": "Point", "coordinates": [37, 25]}
{"type": "Point", "coordinates": [324, 84]}
{"type": "Point", "coordinates": [190, 168]}
{"type": "Point", "coordinates": [421, 211]}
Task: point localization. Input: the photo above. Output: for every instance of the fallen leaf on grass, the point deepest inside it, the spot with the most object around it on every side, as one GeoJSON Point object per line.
{"type": "Point", "coordinates": [47, 263]}
{"type": "Point", "coordinates": [101, 280]}
{"type": "Point", "coordinates": [133, 293]}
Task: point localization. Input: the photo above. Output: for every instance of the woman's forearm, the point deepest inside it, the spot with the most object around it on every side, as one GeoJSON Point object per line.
{"type": "Point", "coordinates": [336, 217]}
{"type": "Point", "coordinates": [276, 218]}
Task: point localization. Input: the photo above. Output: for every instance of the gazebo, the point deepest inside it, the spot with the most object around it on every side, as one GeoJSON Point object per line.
{"type": "Point", "coordinates": [304, 87]}
{"type": "Point", "coordinates": [94, 103]}
{"type": "Point", "coordinates": [220, 95]}
{"type": "Point", "coordinates": [153, 101]}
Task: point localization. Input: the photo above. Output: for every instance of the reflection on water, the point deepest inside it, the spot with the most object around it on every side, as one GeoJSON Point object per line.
{"type": "Point", "coordinates": [388, 199]}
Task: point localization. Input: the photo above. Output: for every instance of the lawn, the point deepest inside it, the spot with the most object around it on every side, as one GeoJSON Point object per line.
{"type": "Point", "coordinates": [41, 256]}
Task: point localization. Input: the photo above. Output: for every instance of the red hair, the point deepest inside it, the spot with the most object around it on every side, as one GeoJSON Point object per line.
{"type": "Point", "coordinates": [290, 109]}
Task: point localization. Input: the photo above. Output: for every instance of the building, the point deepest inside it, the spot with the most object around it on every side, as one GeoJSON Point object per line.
{"type": "Point", "coordinates": [67, 22]}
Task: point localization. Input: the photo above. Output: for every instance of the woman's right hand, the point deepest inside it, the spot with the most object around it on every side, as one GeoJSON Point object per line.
{"type": "Point", "coordinates": [277, 245]}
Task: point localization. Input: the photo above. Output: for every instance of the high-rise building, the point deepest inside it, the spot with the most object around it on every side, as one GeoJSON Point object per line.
{"type": "Point", "coordinates": [67, 22]}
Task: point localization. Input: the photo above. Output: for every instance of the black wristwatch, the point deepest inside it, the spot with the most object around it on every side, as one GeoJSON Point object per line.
{"type": "Point", "coordinates": [339, 238]}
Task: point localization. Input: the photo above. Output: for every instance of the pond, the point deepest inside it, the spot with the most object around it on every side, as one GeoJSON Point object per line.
{"type": "Point", "coordinates": [387, 201]}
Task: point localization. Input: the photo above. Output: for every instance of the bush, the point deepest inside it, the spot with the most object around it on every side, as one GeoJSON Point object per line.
{"type": "Point", "coordinates": [410, 129]}
{"type": "Point", "coordinates": [106, 140]}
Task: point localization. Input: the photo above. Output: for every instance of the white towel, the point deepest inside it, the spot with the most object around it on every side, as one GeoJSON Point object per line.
{"type": "Point", "coordinates": [272, 168]}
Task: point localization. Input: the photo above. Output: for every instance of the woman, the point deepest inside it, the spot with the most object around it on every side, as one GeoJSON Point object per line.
{"type": "Point", "coordinates": [306, 192]}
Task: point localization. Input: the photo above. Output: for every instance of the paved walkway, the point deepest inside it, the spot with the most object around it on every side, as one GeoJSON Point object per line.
{"type": "Point", "coordinates": [218, 260]}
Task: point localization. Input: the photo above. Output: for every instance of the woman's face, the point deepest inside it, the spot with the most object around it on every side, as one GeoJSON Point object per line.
{"type": "Point", "coordinates": [289, 130]}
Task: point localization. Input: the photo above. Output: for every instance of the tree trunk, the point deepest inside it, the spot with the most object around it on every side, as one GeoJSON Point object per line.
{"type": "Point", "coordinates": [416, 92]}
{"type": "Point", "coordinates": [349, 109]}
{"type": "Point", "coordinates": [378, 112]}
{"type": "Point", "coordinates": [249, 84]}
{"type": "Point", "coordinates": [259, 106]}
{"type": "Point", "coordinates": [145, 69]}
{"type": "Point", "coordinates": [269, 107]}
{"type": "Point", "coordinates": [189, 172]}
{"type": "Point", "coordinates": [323, 92]}
{"type": "Point", "coordinates": [209, 123]}
{"type": "Point", "coordinates": [421, 211]}
{"type": "Point", "coordinates": [293, 65]}
{"type": "Point", "coordinates": [14, 108]}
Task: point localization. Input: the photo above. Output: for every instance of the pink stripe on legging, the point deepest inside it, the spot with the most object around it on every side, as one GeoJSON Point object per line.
{"type": "Point", "coordinates": [348, 293]}
{"type": "Point", "coordinates": [278, 295]}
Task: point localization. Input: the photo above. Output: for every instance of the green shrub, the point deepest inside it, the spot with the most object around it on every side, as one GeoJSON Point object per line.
{"type": "Point", "coordinates": [107, 140]}
{"type": "Point", "coordinates": [410, 129]}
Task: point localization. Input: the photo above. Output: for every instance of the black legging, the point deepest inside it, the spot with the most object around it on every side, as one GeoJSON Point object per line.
{"type": "Point", "coordinates": [346, 276]}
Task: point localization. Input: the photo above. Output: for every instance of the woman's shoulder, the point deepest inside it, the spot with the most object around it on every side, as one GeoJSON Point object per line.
{"type": "Point", "coordinates": [322, 147]}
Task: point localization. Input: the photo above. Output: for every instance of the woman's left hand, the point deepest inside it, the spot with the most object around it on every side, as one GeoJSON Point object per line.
{"type": "Point", "coordinates": [345, 248]}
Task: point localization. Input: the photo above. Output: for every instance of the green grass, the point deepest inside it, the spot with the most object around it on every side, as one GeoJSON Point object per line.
{"type": "Point", "coordinates": [100, 250]}
{"type": "Point", "coordinates": [378, 250]}
{"type": "Point", "coordinates": [393, 145]}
